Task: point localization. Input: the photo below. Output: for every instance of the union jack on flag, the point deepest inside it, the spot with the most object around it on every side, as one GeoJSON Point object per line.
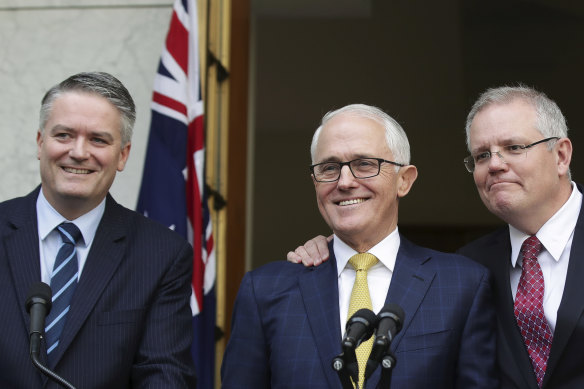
{"type": "Point", "coordinates": [173, 190]}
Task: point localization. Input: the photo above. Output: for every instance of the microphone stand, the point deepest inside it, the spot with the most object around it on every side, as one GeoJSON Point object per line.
{"type": "Point", "coordinates": [387, 364]}
{"type": "Point", "coordinates": [347, 367]}
{"type": "Point", "coordinates": [340, 367]}
{"type": "Point", "coordinates": [34, 356]}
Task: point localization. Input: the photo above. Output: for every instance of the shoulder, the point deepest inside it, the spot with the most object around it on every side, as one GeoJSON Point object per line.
{"type": "Point", "coordinates": [283, 276]}
{"type": "Point", "coordinates": [438, 257]}
{"type": "Point", "coordinates": [20, 210]}
{"type": "Point", "coordinates": [448, 261]}
{"type": "Point", "coordinates": [137, 227]}
{"type": "Point", "coordinates": [485, 243]}
{"type": "Point", "coordinates": [444, 264]}
{"type": "Point", "coordinates": [278, 269]}
{"type": "Point", "coordinates": [9, 207]}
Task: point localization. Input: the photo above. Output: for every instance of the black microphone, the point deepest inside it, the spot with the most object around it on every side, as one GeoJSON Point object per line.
{"type": "Point", "coordinates": [38, 305]}
{"type": "Point", "coordinates": [391, 319]}
{"type": "Point", "coordinates": [359, 328]}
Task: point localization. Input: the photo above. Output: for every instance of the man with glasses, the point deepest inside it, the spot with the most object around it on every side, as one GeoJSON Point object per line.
{"type": "Point", "coordinates": [520, 161]}
{"type": "Point", "coordinates": [288, 319]}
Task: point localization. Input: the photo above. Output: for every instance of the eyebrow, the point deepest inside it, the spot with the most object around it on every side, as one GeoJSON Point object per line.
{"type": "Point", "coordinates": [353, 157]}
{"type": "Point", "coordinates": [504, 142]}
{"type": "Point", "coordinates": [61, 127]}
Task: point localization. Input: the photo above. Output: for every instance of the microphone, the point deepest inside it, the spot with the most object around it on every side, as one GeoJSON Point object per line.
{"type": "Point", "coordinates": [391, 318]}
{"type": "Point", "coordinates": [38, 305]}
{"type": "Point", "coordinates": [359, 328]}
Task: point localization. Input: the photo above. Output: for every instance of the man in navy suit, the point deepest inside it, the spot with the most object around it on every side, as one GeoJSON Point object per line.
{"type": "Point", "coordinates": [128, 323]}
{"type": "Point", "coordinates": [520, 160]}
{"type": "Point", "coordinates": [288, 319]}
{"type": "Point", "coordinates": [530, 188]}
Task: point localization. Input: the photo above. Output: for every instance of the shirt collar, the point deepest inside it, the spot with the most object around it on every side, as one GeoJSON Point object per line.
{"type": "Point", "coordinates": [555, 233]}
{"type": "Point", "coordinates": [48, 219]}
{"type": "Point", "coordinates": [385, 251]}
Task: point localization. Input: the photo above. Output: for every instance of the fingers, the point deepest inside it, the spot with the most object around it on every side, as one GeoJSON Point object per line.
{"type": "Point", "coordinates": [309, 257]}
{"type": "Point", "coordinates": [313, 253]}
{"type": "Point", "coordinates": [310, 252]}
{"type": "Point", "coordinates": [302, 255]}
{"type": "Point", "coordinates": [322, 246]}
{"type": "Point", "coordinates": [293, 257]}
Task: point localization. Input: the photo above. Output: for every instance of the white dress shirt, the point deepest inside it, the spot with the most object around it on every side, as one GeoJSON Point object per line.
{"type": "Point", "coordinates": [556, 237]}
{"type": "Point", "coordinates": [50, 240]}
{"type": "Point", "coordinates": [378, 276]}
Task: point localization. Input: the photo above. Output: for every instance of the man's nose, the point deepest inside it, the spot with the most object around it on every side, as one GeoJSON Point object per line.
{"type": "Point", "coordinates": [79, 149]}
{"type": "Point", "coordinates": [497, 161]}
{"type": "Point", "coordinates": [346, 179]}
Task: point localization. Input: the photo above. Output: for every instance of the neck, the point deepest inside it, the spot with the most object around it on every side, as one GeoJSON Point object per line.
{"type": "Point", "coordinates": [364, 244]}
{"type": "Point", "coordinates": [72, 209]}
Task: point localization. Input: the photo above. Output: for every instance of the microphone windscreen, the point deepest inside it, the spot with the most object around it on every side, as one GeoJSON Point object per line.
{"type": "Point", "coordinates": [39, 293]}
{"type": "Point", "coordinates": [366, 314]}
{"type": "Point", "coordinates": [395, 312]}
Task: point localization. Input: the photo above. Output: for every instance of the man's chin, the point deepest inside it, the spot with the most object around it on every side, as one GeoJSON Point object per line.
{"type": "Point", "coordinates": [500, 207]}
{"type": "Point", "coordinates": [74, 195]}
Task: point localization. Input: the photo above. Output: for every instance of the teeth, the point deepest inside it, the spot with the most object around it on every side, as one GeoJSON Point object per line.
{"type": "Point", "coordinates": [349, 202]}
{"type": "Point", "coordinates": [76, 171]}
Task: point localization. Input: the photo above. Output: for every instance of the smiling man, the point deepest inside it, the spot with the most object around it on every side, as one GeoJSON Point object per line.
{"type": "Point", "coordinates": [520, 161]}
{"type": "Point", "coordinates": [288, 319]}
{"type": "Point", "coordinates": [116, 277]}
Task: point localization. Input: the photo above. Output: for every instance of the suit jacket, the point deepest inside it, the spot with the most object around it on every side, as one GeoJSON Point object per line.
{"type": "Point", "coordinates": [565, 367]}
{"type": "Point", "coordinates": [286, 330]}
{"type": "Point", "coordinates": [129, 321]}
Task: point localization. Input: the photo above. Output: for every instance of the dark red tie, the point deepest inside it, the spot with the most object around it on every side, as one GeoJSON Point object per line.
{"type": "Point", "coordinates": [535, 330]}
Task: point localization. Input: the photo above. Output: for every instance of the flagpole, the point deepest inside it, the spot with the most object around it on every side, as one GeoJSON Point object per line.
{"type": "Point", "coordinates": [217, 89]}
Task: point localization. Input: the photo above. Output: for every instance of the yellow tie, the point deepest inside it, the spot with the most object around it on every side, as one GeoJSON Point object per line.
{"type": "Point", "coordinates": [360, 298]}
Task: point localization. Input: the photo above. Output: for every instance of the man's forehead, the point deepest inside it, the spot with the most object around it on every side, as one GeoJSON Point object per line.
{"type": "Point", "coordinates": [337, 150]}
{"type": "Point", "coordinates": [503, 123]}
{"type": "Point", "coordinates": [515, 108]}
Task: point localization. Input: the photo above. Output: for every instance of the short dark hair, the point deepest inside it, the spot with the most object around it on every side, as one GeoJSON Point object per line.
{"type": "Point", "coordinates": [102, 84]}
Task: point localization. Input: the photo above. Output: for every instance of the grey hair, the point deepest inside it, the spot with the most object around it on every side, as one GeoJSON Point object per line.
{"type": "Point", "coordinates": [102, 84]}
{"type": "Point", "coordinates": [550, 121]}
{"type": "Point", "coordinates": [395, 136]}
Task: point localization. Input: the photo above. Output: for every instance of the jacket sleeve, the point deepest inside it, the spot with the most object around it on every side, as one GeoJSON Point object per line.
{"type": "Point", "coordinates": [163, 359]}
{"type": "Point", "coordinates": [246, 359]}
{"type": "Point", "coordinates": [477, 354]}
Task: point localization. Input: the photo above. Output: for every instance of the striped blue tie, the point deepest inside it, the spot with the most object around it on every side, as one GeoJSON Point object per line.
{"type": "Point", "coordinates": [63, 283]}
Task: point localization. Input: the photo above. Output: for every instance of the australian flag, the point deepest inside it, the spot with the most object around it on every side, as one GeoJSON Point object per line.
{"type": "Point", "coordinates": [173, 190]}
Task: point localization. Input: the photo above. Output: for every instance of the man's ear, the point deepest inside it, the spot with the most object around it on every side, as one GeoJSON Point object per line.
{"type": "Point", "coordinates": [563, 149]}
{"type": "Point", "coordinates": [125, 153]}
{"type": "Point", "coordinates": [40, 141]}
{"type": "Point", "coordinates": [406, 178]}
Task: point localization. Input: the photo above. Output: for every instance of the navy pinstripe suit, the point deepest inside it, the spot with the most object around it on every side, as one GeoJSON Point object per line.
{"type": "Point", "coordinates": [286, 330]}
{"type": "Point", "coordinates": [129, 323]}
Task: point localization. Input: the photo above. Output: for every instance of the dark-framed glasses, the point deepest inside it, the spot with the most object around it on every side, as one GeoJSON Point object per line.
{"type": "Point", "coordinates": [360, 168]}
{"type": "Point", "coordinates": [507, 154]}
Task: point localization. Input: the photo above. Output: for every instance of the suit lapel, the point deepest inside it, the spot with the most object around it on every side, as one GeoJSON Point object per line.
{"type": "Point", "coordinates": [497, 258]}
{"type": "Point", "coordinates": [409, 283]}
{"type": "Point", "coordinates": [105, 255]}
{"type": "Point", "coordinates": [22, 256]}
{"type": "Point", "coordinates": [571, 308]}
{"type": "Point", "coordinates": [319, 289]}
